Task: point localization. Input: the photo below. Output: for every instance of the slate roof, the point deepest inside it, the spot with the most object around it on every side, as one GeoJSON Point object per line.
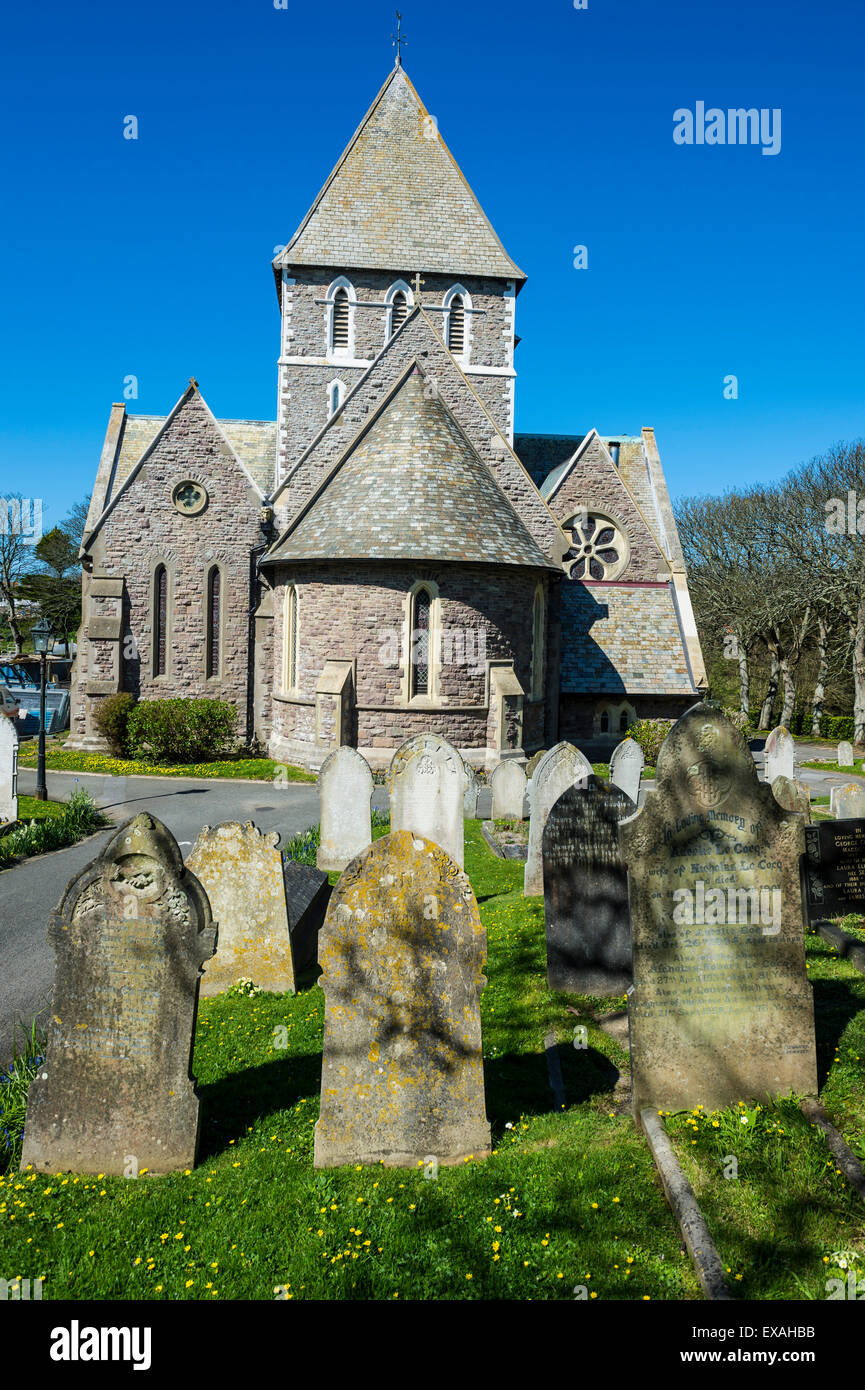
{"type": "Point", "coordinates": [413, 488]}
{"type": "Point", "coordinates": [254, 442]}
{"type": "Point", "coordinates": [618, 639]}
{"type": "Point", "coordinates": [397, 198]}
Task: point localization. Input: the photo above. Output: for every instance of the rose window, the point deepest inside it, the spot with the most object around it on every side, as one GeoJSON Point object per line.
{"type": "Point", "coordinates": [189, 497]}
{"type": "Point", "coordinates": [598, 549]}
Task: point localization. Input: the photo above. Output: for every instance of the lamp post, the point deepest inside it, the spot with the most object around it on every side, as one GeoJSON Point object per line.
{"type": "Point", "coordinates": [43, 642]}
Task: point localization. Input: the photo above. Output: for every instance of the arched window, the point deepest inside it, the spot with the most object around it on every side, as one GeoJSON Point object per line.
{"type": "Point", "coordinates": [214, 595]}
{"type": "Point", "coordinates": [340, 322]}
{"type": "Point", "coordinates": [457, 326]}
{"type": "Point", "coordinates": [335, 397]}
{"type": "Point", "coordinates": [605, 721]}
{"type": "Point", "coordinates": [538, 644]}
{"type": "Point", "coordinates": [623, 722]}
{"type": "Point", "coordinates": [289, 640]}
{"type": "Point", "coordinates": [420, 643]}
{"type": "Point", "coordinates": [160, 620]}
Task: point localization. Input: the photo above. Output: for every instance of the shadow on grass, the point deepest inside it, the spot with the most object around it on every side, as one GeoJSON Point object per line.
{"type": "Point", "coordinates": [234, 1103]}
{"type": "Point", "coordinates": [835, 1004]}
{"type": "Point", "coordinates": [519, 1083]}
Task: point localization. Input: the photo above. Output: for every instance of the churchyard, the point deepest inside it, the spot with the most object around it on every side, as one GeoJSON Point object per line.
{"type": "Point", "coordinates": [454, 1109]}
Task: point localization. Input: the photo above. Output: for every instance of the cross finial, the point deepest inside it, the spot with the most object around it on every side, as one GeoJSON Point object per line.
{"type": "Point", "coordinates": [398, 39]}
{"type": "Point", "coordinates": [418, 281]}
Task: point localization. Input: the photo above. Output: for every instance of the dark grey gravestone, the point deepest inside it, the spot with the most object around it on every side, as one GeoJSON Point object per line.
{"type": "Point", "coordinates": [833, 869]}
{"type": "Point", "coordinates": [307, 893]}
{"type": "Point", "coordinates": [586, 891]}
{"type": "Point", "coordinates": [115, 1093]}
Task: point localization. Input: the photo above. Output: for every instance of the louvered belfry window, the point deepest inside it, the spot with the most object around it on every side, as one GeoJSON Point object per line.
{"type": "Point", "coordinates": [340, 320]}
{"type": "Point", "coordinates": [420, 644]}
{"type": "Point", "coordinates": [457, 326]}
{"type": "Point", "coordinates": [214, 591]}
{"type": "Point", "coordinates": [160, 624]}
{"type": "Point", "coordinates": [398, 311]}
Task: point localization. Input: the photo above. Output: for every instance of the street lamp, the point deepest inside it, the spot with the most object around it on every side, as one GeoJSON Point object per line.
{"type": "Point", "coordinates": [43, 642]}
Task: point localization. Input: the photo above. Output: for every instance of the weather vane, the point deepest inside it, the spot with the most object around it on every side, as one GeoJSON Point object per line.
{"type": "Point", "coordinates": [398, 39]}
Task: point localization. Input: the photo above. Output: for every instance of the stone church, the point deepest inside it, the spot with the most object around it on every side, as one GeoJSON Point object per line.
{"type": "Point", "coordinates": [388, 556]}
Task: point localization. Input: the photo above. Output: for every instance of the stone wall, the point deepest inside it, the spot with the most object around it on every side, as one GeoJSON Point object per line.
{"type": "Point", "coordinates": [303, 393]}
{"type": "Point", "coordinates": [146, 530]}
{"type": "Point", "coordinates": [358, 613]}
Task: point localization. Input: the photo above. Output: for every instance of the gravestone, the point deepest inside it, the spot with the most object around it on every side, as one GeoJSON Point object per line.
{"type": "Point", "coordinates": [560, 768]}
{"type": "Point", "coordinates": [534, 760]}
{"type": "Point", "coordinates": [833, 869]}
{"type": "Point", "coordinates": [845, 754]}
{"type": "Point", "coordinates": [307, 893]}
{"type": "Point", "coordinates": [427, 785]}
{"type": "Point", "coordinates": [586, 916]}
{"type": "Point", "coordinates": [509, 790]}
{"type": "Point", "coordinates": [115, 1093]}
{"type": "Point", "coordinates": [470, 796]}
{"type": "Point", "coordinates": [402, 952]}
{"type": "Point", "coordinates": [626, 768]}
{"type": "Point", "coordinates": [720, 1009]}
{"type": "Point", "coordinates": [8, 771]}
{"type": "Point", "coordinates": [780, 755]}
{"type": "Point", "coordinates": [240, 869]}
{"type": "Point", "coordinates": [345, 794]}
{"type": "Point", "coordinates": [848, 803]}
{"type": "Point", "coordinates": [793, 796]}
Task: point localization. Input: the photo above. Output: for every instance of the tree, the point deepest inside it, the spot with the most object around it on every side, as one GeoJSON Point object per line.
{"type": "Point", "coordinates": [52, 586]}
{"type": "Point", "coordinates": [15, 556]}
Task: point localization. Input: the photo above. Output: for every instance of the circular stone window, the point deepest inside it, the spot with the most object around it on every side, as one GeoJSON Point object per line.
{"type": "Point", "coordinates": [189, 497]}
{"type": "Point", "coordinates": [599, 549]}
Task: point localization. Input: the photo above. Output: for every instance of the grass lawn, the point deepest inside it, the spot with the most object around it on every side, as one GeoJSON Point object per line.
{"type": "Point", "coordinates": [30, 809]}
{"type": "Point", "coordinates": [568, 1200]}
{"type": "Point", "coordinates": [60, 759]}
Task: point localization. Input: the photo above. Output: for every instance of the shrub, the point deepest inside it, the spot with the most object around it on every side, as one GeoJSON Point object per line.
{"type": "Point", "coordinates": [80, 816]}
{"type": "Point", "coordinates": [837, 726]}
{"type": "Point", "coordinates": [14, 1085]}
{"type": "Point", "coordinates": [111, 718]}
{"type": "Point", "coordinates": [180, 731]}
{"type": "Point", "coordinates": [650, 734]}
{"type": "Point", "coordinates": [739, 720]}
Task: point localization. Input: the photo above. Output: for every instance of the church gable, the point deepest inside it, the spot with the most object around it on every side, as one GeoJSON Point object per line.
{"type": "Point", "coordinates": [411, 487]}
{"type": "Point", "coordinates": [589, 481]}
{"type": "Point", "coordinates": [398, 198]}
{"type": "Point", "coordinates": [417, 341]}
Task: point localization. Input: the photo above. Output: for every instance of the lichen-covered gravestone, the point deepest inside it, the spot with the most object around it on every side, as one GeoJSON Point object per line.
{"type": "Point", "coordinates": [241, 871]}
{"type": "Point", "coordinates": [720, 1009]}
{"type": "Point", "coordinates": [115, 1093]}
{"type": "Point", "coordinates": [345, 792]}
{"type": "Point", "coordinates": [427, 783]}
{"type": "Point", "coordinates": [8, 771]}
{"type": "Point", "coordinates": [562, 767]}
{"type": "Point", "coordinates": [402, 952]}
{"type": "Point", "coordinates": [626, 767]}
{"type": "Point", "coordinates": [534, 760]}
{"type": "Point", "coordinates": [586, 914]}
{"type": "Point", "coordinates": [793, 796]}
{"type": "Point", "coordinates": [509, 790]}
{"type": "Point", "coordinates": [780, 754]}
{"type": "Point", "coordinates": [845, 754]}
{"type": "Point", "coordinates": [848, 803]}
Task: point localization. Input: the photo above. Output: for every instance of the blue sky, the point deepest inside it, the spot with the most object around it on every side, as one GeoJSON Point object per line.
{"type": "Point", "coordinates": [152, 257]}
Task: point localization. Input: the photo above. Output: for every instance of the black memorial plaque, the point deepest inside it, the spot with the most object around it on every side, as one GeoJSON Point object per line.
{"type": "Point", "coordinates": [833, 869]}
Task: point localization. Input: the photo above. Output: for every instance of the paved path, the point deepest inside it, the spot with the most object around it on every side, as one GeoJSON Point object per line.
{"type": "Point", "coordinates": [30, 891]}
